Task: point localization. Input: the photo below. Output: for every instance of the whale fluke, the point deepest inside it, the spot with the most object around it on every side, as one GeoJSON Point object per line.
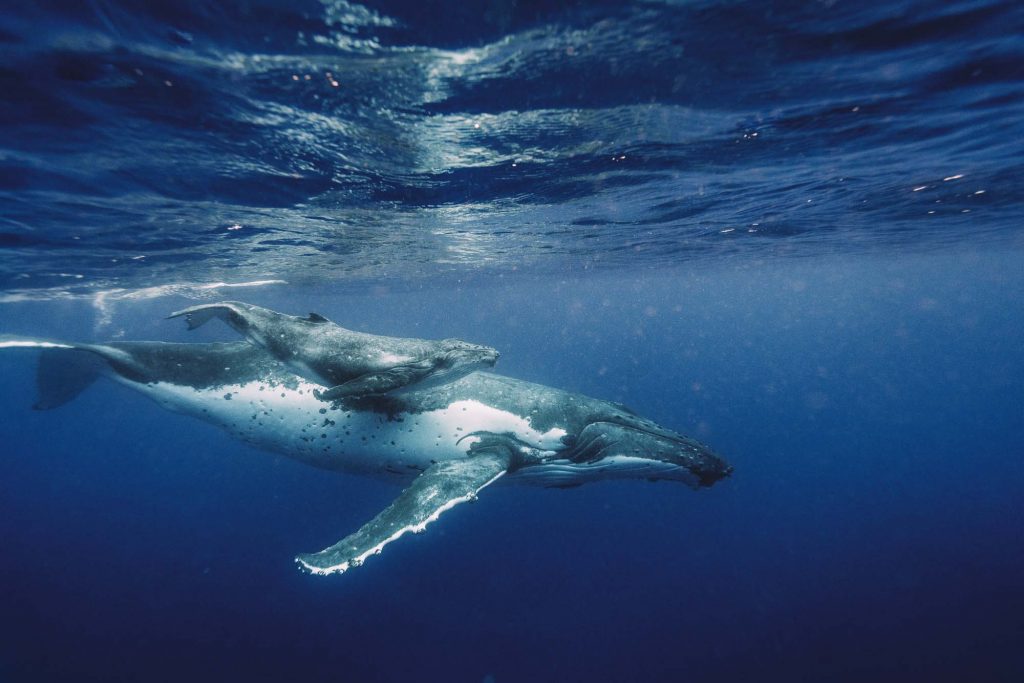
{"type": "Point", "coordinates": [64, 370]}
{"type": "Point", "coordinates": [63, 374]}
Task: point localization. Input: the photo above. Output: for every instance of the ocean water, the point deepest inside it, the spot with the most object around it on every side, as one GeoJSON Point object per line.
{"type": "Point", "coordinates": [792, 230]}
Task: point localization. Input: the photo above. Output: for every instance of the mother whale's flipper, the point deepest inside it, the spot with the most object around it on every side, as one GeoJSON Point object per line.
{"type": "Point", "coordinates": [441, 487]}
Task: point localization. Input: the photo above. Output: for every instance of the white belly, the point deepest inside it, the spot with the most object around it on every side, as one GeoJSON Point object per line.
{"type": "Point", "coordinates": [293, 422]}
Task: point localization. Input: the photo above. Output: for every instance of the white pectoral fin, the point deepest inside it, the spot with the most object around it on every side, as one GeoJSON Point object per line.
{"type": "Point", "coordinates": [440, 488]}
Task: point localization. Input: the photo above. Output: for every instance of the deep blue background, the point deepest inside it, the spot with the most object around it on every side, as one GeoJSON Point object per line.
{"type": "Point", "coordinates": [872, 409]}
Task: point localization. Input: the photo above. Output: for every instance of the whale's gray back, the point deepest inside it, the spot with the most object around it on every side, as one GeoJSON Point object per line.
{"type": "Point", "coordinates": [67, 370]}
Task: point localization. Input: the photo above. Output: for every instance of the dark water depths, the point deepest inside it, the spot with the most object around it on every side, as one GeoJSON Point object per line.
{"type": "Point", "coordinates": [791, 230]}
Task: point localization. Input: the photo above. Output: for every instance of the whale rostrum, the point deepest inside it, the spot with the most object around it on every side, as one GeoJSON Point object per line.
{"type": "Point", "coordinates": [444, 443]}
{"type": "Point", "coordinates": [348, 363]}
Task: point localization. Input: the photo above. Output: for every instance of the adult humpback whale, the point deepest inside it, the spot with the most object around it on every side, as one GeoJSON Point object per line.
{"type": "Point", "coordinates": [446, 443]}
{"type": "Point", "coordinates": [350, 363]}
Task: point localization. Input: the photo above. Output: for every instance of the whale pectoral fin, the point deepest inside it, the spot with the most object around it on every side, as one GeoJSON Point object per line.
{"type": "Point", "coordinates": [196, 316]}
{"type": "Point", "coordinates": [441, 487]}
{"type": "Point", "coordinates": [381, 382]}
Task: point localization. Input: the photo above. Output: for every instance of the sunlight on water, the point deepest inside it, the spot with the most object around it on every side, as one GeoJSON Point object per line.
{"type": "Point", "coordinates": [337, 141]}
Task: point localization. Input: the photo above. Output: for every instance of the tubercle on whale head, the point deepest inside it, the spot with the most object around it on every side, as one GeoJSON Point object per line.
{"type": "Point", "coordinates": [458, 351]}
{"type": "Point", "coordinates": [704, 465]}
{"type": "Point", "coordinates": [488, 357]}
{"type": "Point", "coordinates": [711, 469]}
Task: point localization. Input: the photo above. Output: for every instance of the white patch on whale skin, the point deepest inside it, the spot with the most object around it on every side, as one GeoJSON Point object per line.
{"type": "Point", "coordinates": [393, 359]}
{"type": "Point", "coordinates": [474, 416]}
{"type": "Point", "coordinates": [269, 416]}
{"type": "Point", "coordinates": [293, 422]}
{"type": "Point", "coordinates": [300, 368]}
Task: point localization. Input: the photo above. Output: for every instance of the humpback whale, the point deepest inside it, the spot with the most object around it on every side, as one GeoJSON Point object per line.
{"type": "Point", "coordinates": [444, 444]}
{"type": "Point", "coordinates": [348, 363]}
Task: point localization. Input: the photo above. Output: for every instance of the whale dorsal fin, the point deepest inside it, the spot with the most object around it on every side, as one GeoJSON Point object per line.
{"type": "Point", "coordinates": [316, 318]}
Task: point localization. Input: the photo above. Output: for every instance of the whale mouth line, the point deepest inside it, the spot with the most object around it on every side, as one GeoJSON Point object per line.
{"type": "Point", "coordinates": [681, 458]}
{"type": "Point", "coordinates": [567, 473]}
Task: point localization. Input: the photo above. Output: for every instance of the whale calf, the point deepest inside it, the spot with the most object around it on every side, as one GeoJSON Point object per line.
{"type": "Point", "coordinates": [444, 444]}
{"type": "Point", "coordinates": [348, 363]}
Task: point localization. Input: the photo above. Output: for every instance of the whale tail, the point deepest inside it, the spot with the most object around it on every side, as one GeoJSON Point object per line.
{"type": "Point", "coordinates": [63, 374]}
{"type": "Point", "coordinates": [65, 370]}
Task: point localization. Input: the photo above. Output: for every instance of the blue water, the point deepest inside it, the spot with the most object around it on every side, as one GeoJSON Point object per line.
{"type": "Point", "coordinates": [791, 230]}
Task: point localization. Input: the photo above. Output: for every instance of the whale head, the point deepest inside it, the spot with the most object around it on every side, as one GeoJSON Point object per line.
{"type": "Point", "coordinates": [621, 447]}
{"type": "Point", "coordinates": [466, 357]}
